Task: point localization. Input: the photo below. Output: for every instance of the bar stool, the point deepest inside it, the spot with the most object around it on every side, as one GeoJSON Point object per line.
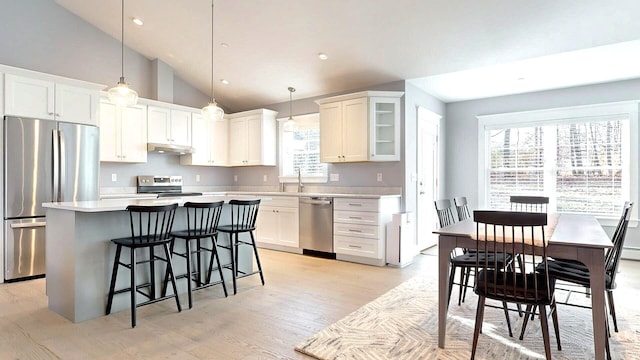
{"type": "Point", "coordinates": [150, 227]}
{"type": "Point", "coordinates": [243, 220]}
{"type": "Point", "coordinates": [202, 223]}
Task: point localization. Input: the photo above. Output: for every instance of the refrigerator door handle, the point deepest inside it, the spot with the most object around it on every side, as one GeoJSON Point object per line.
{"type": "Point", "coordinates": [63, 169]}
{"type": "Point", "coordinates": [56, 166]}
{"type": "Point", "coordinates": [28, 225]}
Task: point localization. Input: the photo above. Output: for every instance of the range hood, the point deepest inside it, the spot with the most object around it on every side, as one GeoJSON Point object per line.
{"type": "Point", "coordinates": [169, 149]}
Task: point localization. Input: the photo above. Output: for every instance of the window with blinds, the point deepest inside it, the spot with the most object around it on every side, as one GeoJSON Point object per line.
{"type": "Point", "coordinates": [300, 150]}
{"type": "Point", "coordinates": [582, 163]}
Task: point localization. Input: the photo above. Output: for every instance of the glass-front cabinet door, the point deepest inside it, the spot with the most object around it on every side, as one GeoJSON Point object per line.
{"type": "Point", "coordinates": [384, 125]}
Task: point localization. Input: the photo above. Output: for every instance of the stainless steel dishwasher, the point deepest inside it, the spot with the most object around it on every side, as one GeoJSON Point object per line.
{"type": "Point", "coordinates": [316, 226]}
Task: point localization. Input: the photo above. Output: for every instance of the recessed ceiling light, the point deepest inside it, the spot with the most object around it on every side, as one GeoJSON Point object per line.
{"type": "Point", "coordinates": [137, 21]}
{"type": "Point", "coordinates": [224, 81]}
{"type": "Point", "coordinates": [322, 56]}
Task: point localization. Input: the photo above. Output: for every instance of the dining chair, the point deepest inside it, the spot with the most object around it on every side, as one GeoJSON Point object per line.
{"type": "Point", "coordinates": [465, 261]}
{"type": "Point", "coordinates": [529, 203]}
{"type": "Point", "coordinates": [462, 207]}
{"type": "Point", "coordinates": [445, 215]}
{"type": "Point", "coordinates": [499, 232]}
{"type": "Point", "coordinates": [577, 273]}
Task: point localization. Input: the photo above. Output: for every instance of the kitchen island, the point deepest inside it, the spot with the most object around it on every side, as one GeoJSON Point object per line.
{"type": "Point", "coordinates": [80, 255]}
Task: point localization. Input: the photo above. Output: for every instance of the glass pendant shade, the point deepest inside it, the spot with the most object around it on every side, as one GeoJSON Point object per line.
{"type": "Point", "coordinates": [290, 125]}
{"type": "Point", "coordinates": [213, 111]}
{"type": "Point", "coordinates": [122, 94]}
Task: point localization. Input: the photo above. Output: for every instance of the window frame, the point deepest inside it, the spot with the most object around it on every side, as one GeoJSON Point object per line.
{"type": "Point", "coordinates": [294, 179]}
{"type": "Point", "coordinates": [573, 114]}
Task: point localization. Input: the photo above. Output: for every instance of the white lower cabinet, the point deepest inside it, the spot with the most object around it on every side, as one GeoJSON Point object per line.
{"type": "Point", "coordinates": [277, 225]}
{"type": "Point", "coordinates": [359, 228]}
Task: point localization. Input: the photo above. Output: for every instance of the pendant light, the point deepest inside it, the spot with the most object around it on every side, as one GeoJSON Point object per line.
{"type": "Point", "coordinates": [122, 94]}
{"type": "Point", "coordinates": [212, 111]}
{"type": "Point", "coordinates": [290, 125]}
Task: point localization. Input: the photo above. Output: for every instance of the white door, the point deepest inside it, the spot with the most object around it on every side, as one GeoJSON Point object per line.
{"type": "Point", "coordinates": [428, 126]}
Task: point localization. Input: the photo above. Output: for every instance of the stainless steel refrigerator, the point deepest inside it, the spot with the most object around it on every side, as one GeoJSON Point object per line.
{"type": "Point", "coordinates": [44, 161]}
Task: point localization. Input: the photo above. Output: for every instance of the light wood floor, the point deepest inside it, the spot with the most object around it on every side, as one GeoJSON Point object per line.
{"type": "Point", "coordinates": [302, 296]}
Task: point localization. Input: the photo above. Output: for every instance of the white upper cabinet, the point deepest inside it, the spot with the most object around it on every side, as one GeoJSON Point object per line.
{"type": "Point", "coordinates": [252, 138]}
{"type": "Point", "coordinates": [363, 126]}
{"type": "Point", "coordinates": [45, 99]}
{"type": "Point", "coordinates": [123, 133]}
{"type": "Point", "coordinates": [209, 139]}
{"type": "Point", "coordinates": [169, 126]}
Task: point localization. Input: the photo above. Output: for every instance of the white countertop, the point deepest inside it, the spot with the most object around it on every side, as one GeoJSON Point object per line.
{"type": "Point", "coordinates": [121, 204]}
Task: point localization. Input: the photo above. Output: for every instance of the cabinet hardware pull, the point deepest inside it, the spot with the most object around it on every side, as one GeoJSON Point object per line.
{"type": "Point", "coordinates": [355, 230]}
{"type": "Point", "coordinates": [355, 217]}
{"type": "Point", "coordinates": [355, 246]}
{"type": "Point", "coordinates": [354, 204]}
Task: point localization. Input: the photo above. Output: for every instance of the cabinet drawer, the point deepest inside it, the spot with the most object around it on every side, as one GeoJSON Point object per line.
{"type": "Point", "coordinates": [281, 201]}
{"type": "Point", "coordinates": [356, 246]}
{"type": "Point", "coordinates": [355, 217]}
{"type": "Point", "coordinates": [356, 204]}
{"type": "Point", "coordinates": [362, 231]}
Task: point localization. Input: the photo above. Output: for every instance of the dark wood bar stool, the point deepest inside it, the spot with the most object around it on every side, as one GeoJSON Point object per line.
{"type": "Point", "coordinates": [243, 220]}
{"type": "Point", "coordinates": [202, 224]}
{"type": "Point", "coordinates": [150, 227]}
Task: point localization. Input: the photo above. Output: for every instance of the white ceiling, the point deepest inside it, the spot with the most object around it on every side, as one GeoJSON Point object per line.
{"type": "Point", "coordinates": [454, 49]}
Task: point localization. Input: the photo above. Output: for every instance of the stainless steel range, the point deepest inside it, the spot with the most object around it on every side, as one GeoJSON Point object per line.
{"type": "Point", "coordinates": [164, 186]}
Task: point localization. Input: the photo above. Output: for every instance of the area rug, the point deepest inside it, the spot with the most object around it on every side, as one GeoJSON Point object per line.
{"type": "Point", "coordinates": [403, 324]}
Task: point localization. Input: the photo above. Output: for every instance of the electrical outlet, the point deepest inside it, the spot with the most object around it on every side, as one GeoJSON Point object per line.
{"type": "Point", "coordinates": [114, 177]}
{"type": "Point", "coordinates": [334, 177]}
{"type": "Point", "coordinates": [264, 178]}
{"type": "Point", "coordinates": [197, 178]}
{"type": "Point", "coordinates": [379, 177]}
{"type": "Point", "coordinates": [235, 178]}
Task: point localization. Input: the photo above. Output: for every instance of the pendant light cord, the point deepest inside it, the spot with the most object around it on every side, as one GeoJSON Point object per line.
{"type": "Point", "coordinates": [212, 98]}
{"type": "Point", "coordinates": [122, 44]}
{"type": "Point", "coordinates": [291, 90]}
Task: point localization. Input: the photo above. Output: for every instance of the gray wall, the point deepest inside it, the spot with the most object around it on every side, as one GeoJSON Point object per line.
{"type": "Point", "coordinates": [462, 129]}
{"type": "Point", "coordinates": [163, 164]}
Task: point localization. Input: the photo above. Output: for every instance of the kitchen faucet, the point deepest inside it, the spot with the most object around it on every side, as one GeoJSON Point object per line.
{"type": "Point", "coordinates": [300, 184]}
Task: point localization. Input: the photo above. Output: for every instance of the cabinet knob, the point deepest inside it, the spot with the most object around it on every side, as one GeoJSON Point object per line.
{"type": "Point", "coordinates": [124, 156]}
{"type": "Point", "coordinates": [50, 113]}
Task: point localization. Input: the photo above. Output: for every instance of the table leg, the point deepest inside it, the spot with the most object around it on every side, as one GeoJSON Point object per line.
{"type": "Point", "coordinates": [445, 245]}
{"type": "Point", "coordinates": [593, 258]}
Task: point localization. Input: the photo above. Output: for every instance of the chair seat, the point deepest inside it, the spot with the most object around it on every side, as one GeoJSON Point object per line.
{"type": "Point", "coordinates": [186, 234]}
{"type": "Point", "coordinates": [518, 294]}
{"type": "Point", "coordinates": [574, 272]}
{"type": "Point", "coordinates": [141, 241]}
{"type": "Point", "coordinates": [235, 228]}
{"type": "Point", "coordinates": [469, 259]}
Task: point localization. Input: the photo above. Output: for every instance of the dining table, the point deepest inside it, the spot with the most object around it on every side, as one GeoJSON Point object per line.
{"type": "Point", "coordinates": [575, 237]}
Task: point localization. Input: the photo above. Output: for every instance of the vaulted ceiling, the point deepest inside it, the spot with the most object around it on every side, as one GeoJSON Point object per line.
{"type": "Point", "coordinates": [454, 49]}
